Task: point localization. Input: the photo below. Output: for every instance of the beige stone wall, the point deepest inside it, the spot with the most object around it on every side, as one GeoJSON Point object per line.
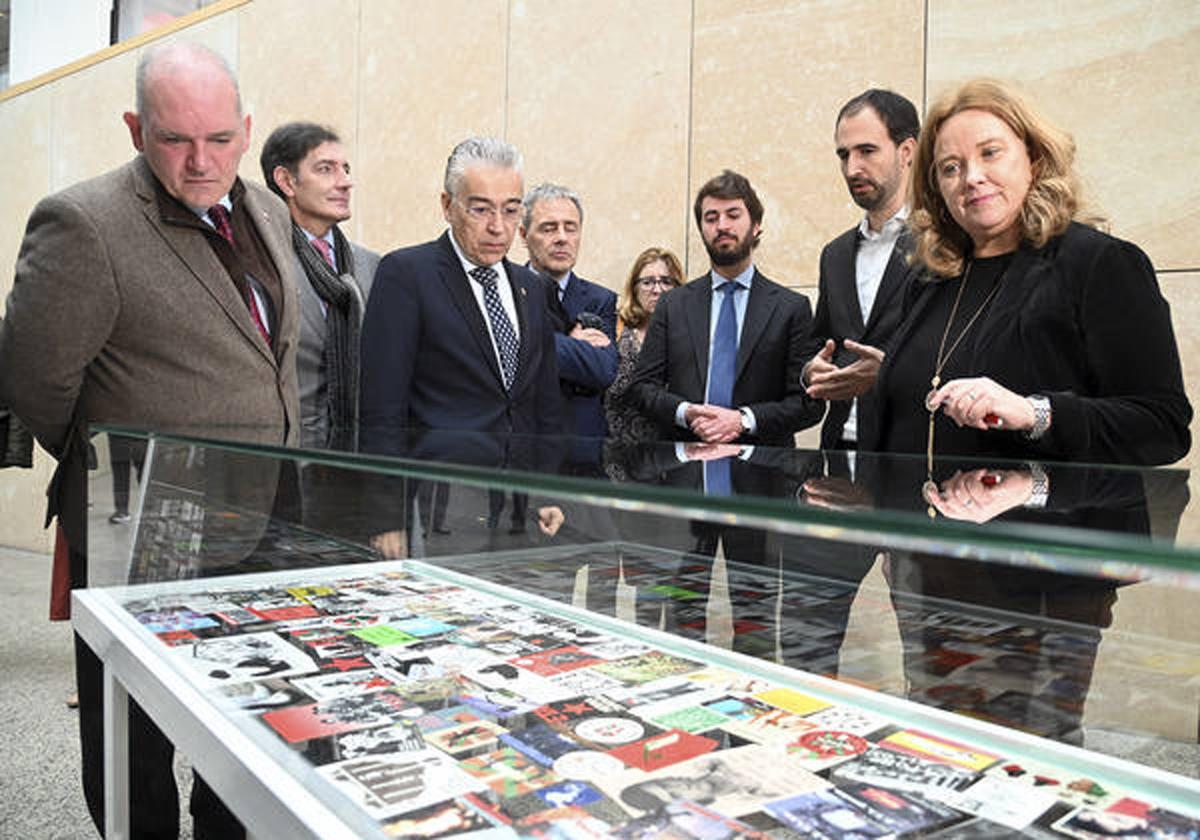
{"type": "Point", "coordinates": [636, 104]}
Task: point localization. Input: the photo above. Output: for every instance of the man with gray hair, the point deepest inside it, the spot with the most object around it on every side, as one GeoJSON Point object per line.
{"type": "Point", "coordinates": [455, 335]}
{"type": "Point", "coordinates": [457, 338]}
{"type": "Point", "coordinates": [584, 313]}
{"type": "Point", "coordinates": [160, 295]}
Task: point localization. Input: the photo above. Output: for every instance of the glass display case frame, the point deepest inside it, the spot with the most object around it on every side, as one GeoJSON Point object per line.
{"type": "Point", "coordinates": [276, 795]}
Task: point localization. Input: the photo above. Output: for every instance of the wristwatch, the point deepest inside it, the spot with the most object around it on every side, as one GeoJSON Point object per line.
{"type": "Point", "coordinates": [1040, 490]}
{"type": "Point", "coordinates": [1041, 416]}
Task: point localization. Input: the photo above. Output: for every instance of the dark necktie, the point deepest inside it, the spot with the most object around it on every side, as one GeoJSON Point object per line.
{"type": "Point", "coordinates": [721, 371]}
{"type": "Point", "coordinates": [502, 329]}
{"type": "Point", "coordinates": [220, 219]}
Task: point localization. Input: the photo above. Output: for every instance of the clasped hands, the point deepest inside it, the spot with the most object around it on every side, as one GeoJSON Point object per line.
{"type": "Point", "coordinates": [826, 381]}
{"type": "Point", "coordinates": [714, 423]}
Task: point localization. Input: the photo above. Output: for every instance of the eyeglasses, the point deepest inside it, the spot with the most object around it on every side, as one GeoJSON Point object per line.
{"type": "Point", "coordinates": [509, 214]}
{"type": "Point", "coordinates": [657, 282]}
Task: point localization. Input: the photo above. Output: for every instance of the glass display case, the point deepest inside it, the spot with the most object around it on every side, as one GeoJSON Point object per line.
{"type": "Point", "coordinates": [496, 635]}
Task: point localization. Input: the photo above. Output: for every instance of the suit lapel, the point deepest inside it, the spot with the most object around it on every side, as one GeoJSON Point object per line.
{"type": "Point", "coordinates": [458, 285]}
{"type": "Point", "coordinates": [758, 314]}
{"type": "Point", "coordinates": [283, 256]}
{"type": "Point", "coordinates": [310, 302]}
{"type": "Point", "coordinates": [198, 257]}
{"type": "Point", "coordinates": [697, 311]}
{"type": "Point", "coordinates": [847, 264]}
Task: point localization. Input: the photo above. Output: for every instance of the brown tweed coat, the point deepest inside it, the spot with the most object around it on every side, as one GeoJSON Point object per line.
{"type": "Point", "coordinates": [118, 317]}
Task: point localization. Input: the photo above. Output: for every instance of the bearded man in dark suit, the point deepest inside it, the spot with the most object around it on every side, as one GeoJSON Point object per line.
{"type": "Point", "coordinates": [723, 354]}
{"type": "Point", "coordinates": [863, 271]}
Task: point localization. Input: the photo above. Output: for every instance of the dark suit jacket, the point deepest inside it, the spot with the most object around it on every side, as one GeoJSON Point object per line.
{"type": "Point", "coordinates": [586, 370]}
{"type": "Point", "coordinates": [673, 365]}
{"type": "Point", "coordinates": [839, 315]}
{"type": "Point", "coordinates": [1080, 320]}
{"type": "Point", "coordinates": [428, 360]}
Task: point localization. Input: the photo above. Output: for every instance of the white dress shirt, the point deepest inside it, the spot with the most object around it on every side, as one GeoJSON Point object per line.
{"type": "Point", "coordinates": [870, 262]}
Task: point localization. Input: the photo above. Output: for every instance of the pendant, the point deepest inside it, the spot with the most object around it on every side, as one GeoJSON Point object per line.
{"type": "Point", "coordinates": [929, 401]}
{"type": "Point", "coordinates": [928, 490]}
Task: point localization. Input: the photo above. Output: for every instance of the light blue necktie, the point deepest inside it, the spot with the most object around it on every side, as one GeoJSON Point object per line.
{"type": "Point", "coordinates": [721, 371]}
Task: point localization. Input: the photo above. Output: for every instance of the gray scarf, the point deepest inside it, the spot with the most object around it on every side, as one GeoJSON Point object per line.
{"type": "Point", "coordinates": [343, 322]}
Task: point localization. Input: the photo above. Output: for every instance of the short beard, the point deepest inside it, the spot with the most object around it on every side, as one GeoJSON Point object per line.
{"type": "Point", "coordinates": [724, 258]}
{"type": "Point", "coordinates": [871, 200]}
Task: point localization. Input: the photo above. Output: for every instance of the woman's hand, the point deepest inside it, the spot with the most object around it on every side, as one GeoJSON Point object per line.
{"type": "Point", "coordinates": [980, 495]}
{"type": "Point", "coordinates": [982, 403]}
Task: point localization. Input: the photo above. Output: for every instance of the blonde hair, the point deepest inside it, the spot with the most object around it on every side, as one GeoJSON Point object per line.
{"type": "Point", "coordinates": [1052, 202]}
{"type": "Point", "coordinates": [632, 313]}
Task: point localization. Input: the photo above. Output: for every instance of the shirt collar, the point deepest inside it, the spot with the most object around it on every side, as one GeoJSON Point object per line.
{"type": "Point", "coordinates": [742, 279]}
{"type": "Point", "coordinates": [467, 265]}
{"type": "Point", "coordinates": [891, 228]}
{"type": "Point", "coordinates": [328, 237]}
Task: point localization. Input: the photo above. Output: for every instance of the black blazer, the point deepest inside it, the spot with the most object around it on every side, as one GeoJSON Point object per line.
{"type": "Point", "coordinates": [1081, 321]}
{"type": "Point", "coordinates": [673, 365]}
{"type": "Point", "coordinates": [428, 361]}
{"type": "Point", "coordinates": [839, 316]}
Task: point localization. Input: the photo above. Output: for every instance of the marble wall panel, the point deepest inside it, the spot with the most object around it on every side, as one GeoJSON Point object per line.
{"type": "Point", "coordinates": [1122, 75]}
{"type": "Point", "coordinates": [284, 79]}
{"type": "Point", "coordinates": [430, 75]}
{"type": "Point", "coordinates": [89, 135]}
{"type": "Point", "coordinates": [26, 142]}
{"type": "Point", "coordinates": [768, 80]}
{"type": "Point", "coordinates": [598, 101]}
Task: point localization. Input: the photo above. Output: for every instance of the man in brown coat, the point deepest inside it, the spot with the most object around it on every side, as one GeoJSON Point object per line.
{"type": "Point", "coordinates": [160, 295]}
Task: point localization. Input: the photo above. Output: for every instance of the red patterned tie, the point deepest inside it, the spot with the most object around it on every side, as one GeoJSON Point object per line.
{"type": "Point", "coordinates": [323, 248]}
{"type": "Point", "coordinates": [220, 219]}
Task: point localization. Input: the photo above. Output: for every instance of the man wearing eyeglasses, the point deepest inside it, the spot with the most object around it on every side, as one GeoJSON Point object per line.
{"type": "Point", "coordinates": [456, 337]}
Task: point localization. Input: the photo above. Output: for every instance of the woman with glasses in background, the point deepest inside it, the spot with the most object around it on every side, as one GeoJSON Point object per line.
{"type": "Point", "coordinates": [655, 271]}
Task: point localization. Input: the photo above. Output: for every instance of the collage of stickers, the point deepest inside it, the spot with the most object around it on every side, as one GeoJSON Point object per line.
{"type": "Point", "coordinates": [443, 710]}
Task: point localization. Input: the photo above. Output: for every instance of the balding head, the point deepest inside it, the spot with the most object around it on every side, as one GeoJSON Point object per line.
{"type": "Point", "coordinates": [189, 122]}
{"type": "Point", "coordinates": [180, 59]}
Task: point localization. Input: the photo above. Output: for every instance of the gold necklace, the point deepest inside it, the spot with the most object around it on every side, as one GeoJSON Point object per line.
{"type": "Point", "coordinates": [939, 364]}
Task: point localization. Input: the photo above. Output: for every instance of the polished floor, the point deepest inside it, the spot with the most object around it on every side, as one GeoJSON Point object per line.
{"type": "Point", "coordinates": [39, 738]}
